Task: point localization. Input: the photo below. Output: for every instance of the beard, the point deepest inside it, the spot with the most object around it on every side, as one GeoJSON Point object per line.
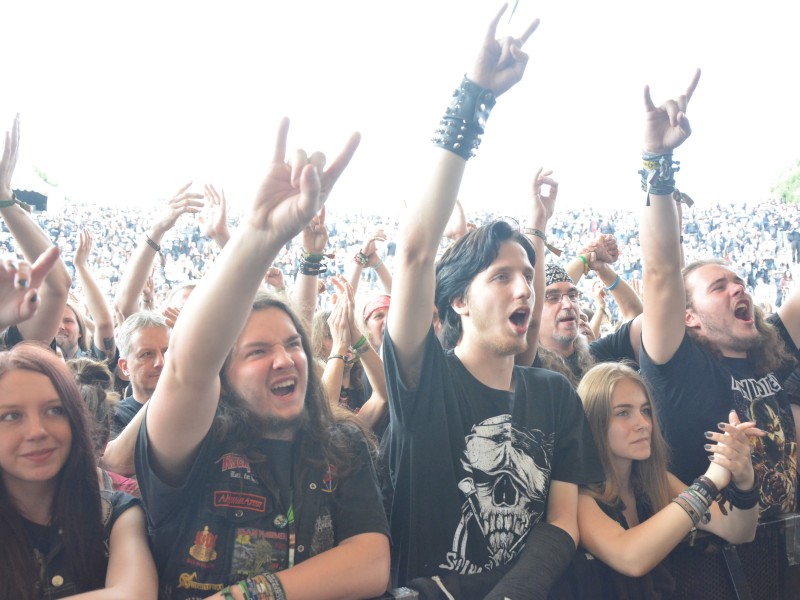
{"type": "Point", "coordinates": [235, 419]}
{"type": "Point", "coordinates": [280, 428]}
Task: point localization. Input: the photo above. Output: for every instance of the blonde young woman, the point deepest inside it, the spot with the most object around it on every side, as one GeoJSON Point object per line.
{"type": "Point", "coordinates": [633, 520]}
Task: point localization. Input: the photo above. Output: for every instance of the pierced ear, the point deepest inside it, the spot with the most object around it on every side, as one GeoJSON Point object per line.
{"type": "Point", "coordinates": [460, 306]}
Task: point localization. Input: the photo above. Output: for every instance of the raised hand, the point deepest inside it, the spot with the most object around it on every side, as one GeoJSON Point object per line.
{"type": "Point", "coordinates": [19, 285]}
{"type": "Point", "coordinates": [215, 224]}
{"type": "Point", "coordinates": [346, 295]}
{"type": "Point", "coordinates": [274, 279]}
{"type": "Point", "coordinates": [667, 127]}
{"type": "Point", "coordinates": [370, 246]}
{"type": "Point", "coordinates": [340, 321]}
{"type": "Point", "coordinates": [500, 64]}
{"type": "Point", "coordinates": [181, 203]}
{"type": "Point", "coordinates": [171, 314]}
{"type": "Point", "coordinates": [291, 195]}
{"type": "Point", "coordinates": [84, 249]}
{"type": "Point", "coordinates": [149, 292]}
{"type": "Point", "coordinates": [544, 203]}
{"type": "Point", "coordinates": [730, 458]}
{"type": "Point", "coordinates": [9, 160]}
{"type": "Point", "coordinates": [606, 248]}
{"type": "Point", "coordinates": [315, 235]}
{"type": "Point", "coordinates": [599, 293]}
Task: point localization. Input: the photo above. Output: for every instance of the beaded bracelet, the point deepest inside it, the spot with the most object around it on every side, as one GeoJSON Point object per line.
{"type": "Point", "coordinates": [614, 285]}
{"type": "Point", "coordinates": [464, 120]}
{"type": "Point", "coordinates": [361, 259]}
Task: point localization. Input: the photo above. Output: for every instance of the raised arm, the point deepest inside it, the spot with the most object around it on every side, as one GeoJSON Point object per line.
{"type": "Point", "coordinates": [215, 222]}
{"type": "Point", "coordinates": [19, 286]}
{"type": "Point", "coordinates": [134, 277]}
{"type": "Point", "coordinates": [183, 405]}
{"type": "Point", "coordinates": [367, 257]}
{"type": "Point", "coordinates": [306, 290]}
{"type": "Point", "coordinates": [335, 363]}
{"type": "Point", "coordinates": [103, 338]}
{"type": "Point", "coordinates": [664, 320]}
{"type": "Point", "coordinates": [53, 290]}
{"type": "Point", "coordinates": [542, 208]}
{"type": "Point", "coordinates": [499, 65]}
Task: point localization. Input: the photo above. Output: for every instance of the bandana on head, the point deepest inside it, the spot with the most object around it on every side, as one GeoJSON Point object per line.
{"type": "Point", "coordinates": [376, 303]}
{"type": "Point", "coordinates": [555, 274]}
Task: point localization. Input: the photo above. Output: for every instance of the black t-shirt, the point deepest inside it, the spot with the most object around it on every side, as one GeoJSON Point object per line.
{"type": "Point", "coordinates": [614, 347]}
{"type": "Point", "coordinates": [588, 578]}
{"type": "Point", "coordinates": [695, 390]}
{"type": "Point", "coordinates": [126, 410]}
{"type": "Point", "coordinates": [471, 466]}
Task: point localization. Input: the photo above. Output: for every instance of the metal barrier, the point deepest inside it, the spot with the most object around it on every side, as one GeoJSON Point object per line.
{"type": "Point", "coordinates": [708, 568]}
{"type": "Point", "coordinates": [768, 568]}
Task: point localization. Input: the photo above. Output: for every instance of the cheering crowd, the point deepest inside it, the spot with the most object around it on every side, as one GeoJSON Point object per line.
{"type": "Point", "coordinates": [294, 403]}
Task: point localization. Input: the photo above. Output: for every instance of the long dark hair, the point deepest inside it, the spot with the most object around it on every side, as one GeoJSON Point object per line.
{"type": "Point", "coordinates": [768, 354]}
{"type": "Point", "coordinates": [76, 503]}
{"type": "Point", "coordinates": [461, 262]}
{"type": "Point", "coordinates": [324, 431]}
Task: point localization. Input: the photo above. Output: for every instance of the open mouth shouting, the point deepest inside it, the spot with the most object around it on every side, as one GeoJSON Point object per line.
{"type": "Point", "coordinates": [284, 388]}
{"type": "Point", "coordinates": [520, 319]}
{"type": "Point", "coordinates": [743, 311]}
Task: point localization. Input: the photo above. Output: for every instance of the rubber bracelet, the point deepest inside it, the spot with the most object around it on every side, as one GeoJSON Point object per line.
{"type": "Point", "coordinates": [360, 342]}
{"type": "Point", "coordinates": [585, 263]}
{"type": "Point", "coordinates": [613, 286]}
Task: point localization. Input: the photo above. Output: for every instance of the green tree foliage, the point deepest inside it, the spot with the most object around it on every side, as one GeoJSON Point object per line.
{"type": "Point", "coordinates": [788, 184]}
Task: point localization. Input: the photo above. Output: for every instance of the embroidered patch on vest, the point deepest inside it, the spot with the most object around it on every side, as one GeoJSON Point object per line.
{"type": "Point", "coordinates": [203, 548]}
{"type": "Point", "coordinates": [238, 500]}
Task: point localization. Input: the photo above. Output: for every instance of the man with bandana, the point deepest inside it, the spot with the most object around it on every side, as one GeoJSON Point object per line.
{"type": "Point", "coordinates": [562, 347]}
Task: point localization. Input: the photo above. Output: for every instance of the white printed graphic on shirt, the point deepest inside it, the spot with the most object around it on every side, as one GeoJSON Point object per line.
{"type": "Point", "coordinates": [508, 475]}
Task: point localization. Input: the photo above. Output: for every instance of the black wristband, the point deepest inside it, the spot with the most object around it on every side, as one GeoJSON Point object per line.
{"type": "Point", "coordinates": [743, 500]}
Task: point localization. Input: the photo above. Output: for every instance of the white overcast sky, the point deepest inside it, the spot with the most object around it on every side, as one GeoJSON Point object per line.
{"type": "Point", "coordinates": [122, 103]}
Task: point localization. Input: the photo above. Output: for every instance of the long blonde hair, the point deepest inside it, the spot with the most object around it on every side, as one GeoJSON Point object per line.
{"type": "Point", "coordinates": [648, 477]}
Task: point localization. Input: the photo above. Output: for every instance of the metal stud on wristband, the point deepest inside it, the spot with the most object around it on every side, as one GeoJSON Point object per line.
{"type": "Point", "coordinates": [658, 173]}
{"type": "Point", "coordinates": [464, 120]}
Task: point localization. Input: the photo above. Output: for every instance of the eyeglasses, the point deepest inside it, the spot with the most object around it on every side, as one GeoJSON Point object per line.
{"type": "Point", "coordinates": [557, 297]}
